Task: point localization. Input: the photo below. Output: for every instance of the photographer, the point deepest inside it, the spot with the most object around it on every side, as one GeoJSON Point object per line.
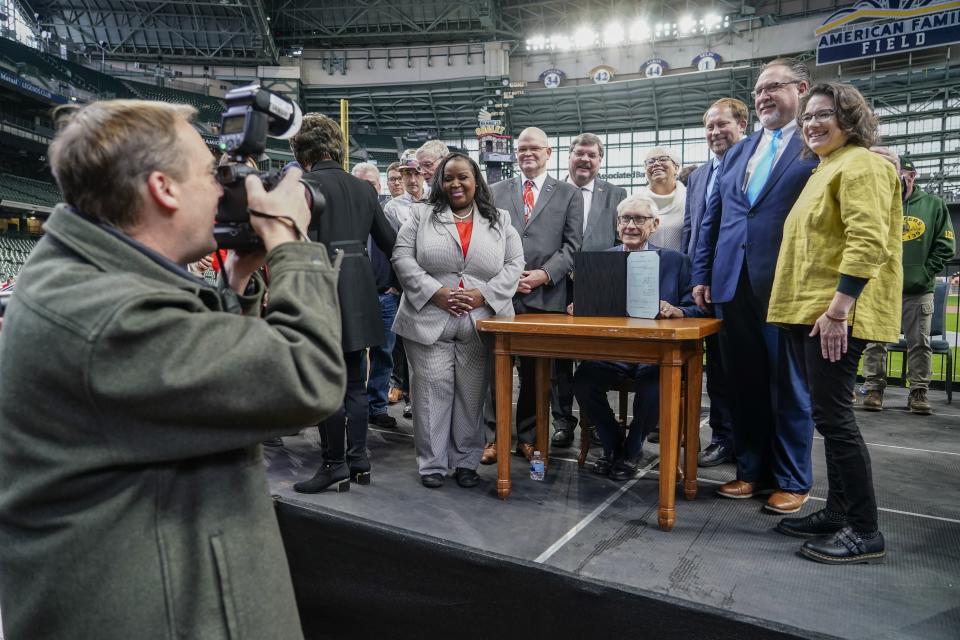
{"type": "Point", "coordinates": [133, 502]}
{"type": "Point", "coordinates": [352, 215]}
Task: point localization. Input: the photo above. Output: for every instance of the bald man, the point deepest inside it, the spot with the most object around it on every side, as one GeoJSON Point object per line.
{"type": "Point", "coordinates": [548, 214]}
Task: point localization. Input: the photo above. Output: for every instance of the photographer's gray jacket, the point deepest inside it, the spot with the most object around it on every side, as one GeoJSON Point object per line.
{"type": "Point", "coordinates": [133, 497]}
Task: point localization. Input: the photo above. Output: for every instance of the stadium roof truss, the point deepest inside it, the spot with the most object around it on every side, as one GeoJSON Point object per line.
{"type": "Point", "coordinates": [174, 30]}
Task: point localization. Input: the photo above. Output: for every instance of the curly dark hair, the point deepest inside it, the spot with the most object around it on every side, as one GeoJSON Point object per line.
{"type": "Point", "coordinates": [482, 197]}
{"type": "Point", "coordinates": [854, 116]}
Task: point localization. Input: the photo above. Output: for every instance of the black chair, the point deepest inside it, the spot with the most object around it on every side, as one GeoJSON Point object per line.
{"type": "Point", "coordinates": [938, 338]}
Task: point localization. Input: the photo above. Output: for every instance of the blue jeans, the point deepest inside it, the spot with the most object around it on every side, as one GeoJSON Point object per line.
{"type": "Point", "coordinates": [381, 358]}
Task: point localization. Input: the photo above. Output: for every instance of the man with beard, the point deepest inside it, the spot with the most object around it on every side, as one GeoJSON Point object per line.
{"type": "Point", "coordinates": [758, 180]}
{"type": "Point", "coordinates": [600, 200]}
{"type": "Point", "coordinates": [724, 124]}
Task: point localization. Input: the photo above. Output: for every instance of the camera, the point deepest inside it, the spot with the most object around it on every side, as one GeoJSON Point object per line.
{"type": "Point", "coordinates": [252, 114]}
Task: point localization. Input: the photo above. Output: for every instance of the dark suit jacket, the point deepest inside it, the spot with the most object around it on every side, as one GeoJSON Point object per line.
{"type": "Point", "coordinates": [733, 231]}
{"type": "Point", "coordinates": [551, 237]}
{"type": "Point", "coordinates": [601, 231]}
{"type": "Point", "coordinates": [352, 213]}
{"type": "Point", "coordinates": [693, 209]}
{"type": "Point", "coordinates": [675, 285]}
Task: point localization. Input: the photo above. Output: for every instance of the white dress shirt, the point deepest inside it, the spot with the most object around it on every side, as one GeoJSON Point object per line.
{"type": "Point", "coordinates": [537, 186]}
{"type": "Point", "coordinates": [587, 192]}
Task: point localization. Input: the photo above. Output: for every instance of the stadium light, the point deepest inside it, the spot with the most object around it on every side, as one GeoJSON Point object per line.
{"type": "Point", "coordinates": [584, 37]}
{"type": "Point", "coordinates": [639, 31]}
{"type": "Point", "coordinates": [561, 41]}
{"type": "Point", "coordinates": [711, 22]}
{"type": "Point", "coordinates": [686, 25]}
{"type": "Point", "coordinates": [613, 35]}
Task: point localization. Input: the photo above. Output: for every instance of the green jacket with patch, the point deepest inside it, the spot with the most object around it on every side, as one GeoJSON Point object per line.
{"type": "Point", "coordinates": [928, 240]}
{"type": "Point", "coordinates": [133, 495]}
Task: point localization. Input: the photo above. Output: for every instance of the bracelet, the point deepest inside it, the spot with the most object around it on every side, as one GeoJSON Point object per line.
{"type": "Point", "coordinates": [829, 317]}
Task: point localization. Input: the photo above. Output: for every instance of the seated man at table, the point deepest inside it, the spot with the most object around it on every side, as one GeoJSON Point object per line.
{"type": "Point", "coordinates": [637, 218]}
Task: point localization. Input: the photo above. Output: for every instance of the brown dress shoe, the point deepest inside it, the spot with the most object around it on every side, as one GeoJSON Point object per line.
{"type": "Point", "coordinates": [740, 489]}
{"type": "Point", "coordinates": [489, 454]}
{"type": "Point", "coordinates": [526, 450]}
{"type": "Point", "coordinates": [785, 502]}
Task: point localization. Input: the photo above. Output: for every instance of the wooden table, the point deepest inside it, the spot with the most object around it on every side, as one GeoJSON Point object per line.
{"type": "Point", "coordinates": [675, 345]}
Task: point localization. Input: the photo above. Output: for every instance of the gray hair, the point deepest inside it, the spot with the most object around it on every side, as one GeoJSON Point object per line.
{"type": "Point", "coordinates": [664, 151]}
{"type": "Point", "coordinates": [365, 168]}
{"type": "Point", "coordinates": [799, 70]}
{"type": "Point", "coordinates": [587, 140]}
{"type": "Point", "coordinates": [636, 201]}
{"type": "Point", "coordinates": [434, 148]}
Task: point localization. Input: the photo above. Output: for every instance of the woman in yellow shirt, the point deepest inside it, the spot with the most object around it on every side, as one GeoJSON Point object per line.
{"type": "Point", "coordinates": [837, 287]}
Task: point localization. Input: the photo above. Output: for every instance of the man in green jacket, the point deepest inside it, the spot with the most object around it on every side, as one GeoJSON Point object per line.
{"type": "Point", "coordinates": [928, 243]}
{"type": "Point", "coordinates": [133, 396]}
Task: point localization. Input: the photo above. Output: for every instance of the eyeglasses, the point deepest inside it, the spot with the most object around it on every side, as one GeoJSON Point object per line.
{"type": "Point", "coordinates": [658, 160]}
{"type": "Point", "coordinates": [529, 150]}
{"type": "Point", "coordinates": [820, 116]}
{"type": "Point", "coordinates": [773, 87]}
{"type": "Point", "coordinates": [637, 221]}
{"type": "Point", "coordinates": [397, 179]}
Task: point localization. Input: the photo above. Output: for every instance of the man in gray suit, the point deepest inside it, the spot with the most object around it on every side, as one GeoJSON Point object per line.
{"type": "Point", "coordinates": [600, 200]}
{"type": "Point", "coordinates": [548, 215]}
{"type": "Point", "coordinates": [724, 124]}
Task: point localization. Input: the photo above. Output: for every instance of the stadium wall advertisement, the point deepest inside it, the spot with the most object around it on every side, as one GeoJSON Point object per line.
{"type": "Point", "coordinates": [873, 28]}
{"type": "Point", "coordinates": [29, 87]}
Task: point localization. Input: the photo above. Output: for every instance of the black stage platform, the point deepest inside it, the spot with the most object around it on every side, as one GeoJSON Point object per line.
{"type": "Point", "coordinates": [580, 555]}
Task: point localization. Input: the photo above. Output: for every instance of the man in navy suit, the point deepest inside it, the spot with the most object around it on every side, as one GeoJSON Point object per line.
{"type": "Point", "coordinates": [637, 218]}
{"type": "Point", "coordinates": [724, 124]}
{"type": "Point", "coordinates": [758, 181]}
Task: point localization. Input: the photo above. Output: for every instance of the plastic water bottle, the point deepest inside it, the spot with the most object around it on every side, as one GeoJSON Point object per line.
{"type": "Point", "coordinates": [536, 466]}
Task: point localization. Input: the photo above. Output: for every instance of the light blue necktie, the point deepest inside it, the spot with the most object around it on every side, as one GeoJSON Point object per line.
{"type": "Point", "coordinates": [712, 180]}
{"type": "Point", "coordinates": [762, 172]}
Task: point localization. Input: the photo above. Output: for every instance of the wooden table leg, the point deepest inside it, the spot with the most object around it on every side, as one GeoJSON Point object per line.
{"type": "Point", "coordinates": [692, 426]}
{"type": "Point", "coordinates": [669, 439]}
{"type": "Point", "coordinates": [543, 366]}
{"type": "Point", "coordinates": [504, 386]}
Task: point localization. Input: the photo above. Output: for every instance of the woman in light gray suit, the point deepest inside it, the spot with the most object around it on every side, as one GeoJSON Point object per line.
{"type": "Point", "coordinates": [459, 260]}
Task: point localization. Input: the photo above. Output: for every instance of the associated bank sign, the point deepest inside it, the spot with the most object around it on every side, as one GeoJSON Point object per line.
{"type": "Point", "coordinates": [873, 28]}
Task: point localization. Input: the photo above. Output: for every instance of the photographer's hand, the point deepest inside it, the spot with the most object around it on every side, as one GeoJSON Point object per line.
{"type": "Point", "coordinates": [283, 211]}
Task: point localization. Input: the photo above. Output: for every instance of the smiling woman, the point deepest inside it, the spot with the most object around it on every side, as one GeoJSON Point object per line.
{"type": "Point", "coordinates": [837, 286]}
{"type": "Point", "coordinates": [459, 260]}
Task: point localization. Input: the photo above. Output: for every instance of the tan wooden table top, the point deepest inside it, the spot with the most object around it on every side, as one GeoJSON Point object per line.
{"type": "Point", "coordinates": [561, 324]}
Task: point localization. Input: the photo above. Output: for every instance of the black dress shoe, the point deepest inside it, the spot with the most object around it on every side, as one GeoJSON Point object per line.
{"type": "Point", "coordinates": [384, 421]}
{"type": "Point", "coordinates": [625, 469]}
{"type": "Point", "coordinates": [432, 480]}
{"type": "Point", "coordinates": [408, 410]}
{"type": "Point", "coordinates": [845, 547]}
{"type": "Point", "coordinates": [336, 475]}
{"type": "Point", "coordinates": [716, 453]}
{"type": "Point", "coordinates": [603, 465]}
{"type": "Point", "coordinates": [273, 442]}
{"type": "Point", "coordinates": [819, 523]}
{"type": "Point", "coordinates": [654, 436]}
{"type": "Point", "coordinates": [562, 438]}
{"type": "Point", "coordinates": [466, 477]}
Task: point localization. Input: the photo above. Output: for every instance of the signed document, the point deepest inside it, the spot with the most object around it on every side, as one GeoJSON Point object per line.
{"type": "Point", "coordinates": [643, 284]}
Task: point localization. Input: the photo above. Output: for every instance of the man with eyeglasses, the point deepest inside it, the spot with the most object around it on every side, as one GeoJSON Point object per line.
{"type": "Point", "coordinates": [661, 166]}
{"type": "Point", "coordinates": [394, 180]}
{"type": "Point", "coordinates": [723, 123]}
{"type": "Point", "coordinates": [637, 220]}
{"type": "Point", "coordinates": [758, 181]}
{"type": "Point", "coordinates": [398, 210]}
{"type": "Point", "coordinates": [600, 200]}
{"type": "Point", "coordinates": [548, 214]}
{"type": "Point", "coordinates": [429, 157]}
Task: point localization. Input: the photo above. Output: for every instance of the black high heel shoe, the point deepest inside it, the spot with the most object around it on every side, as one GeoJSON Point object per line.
{"type": "Point", "coordinates": [330, 474]}
{"type": "Point", "coordinates": [360, 471]}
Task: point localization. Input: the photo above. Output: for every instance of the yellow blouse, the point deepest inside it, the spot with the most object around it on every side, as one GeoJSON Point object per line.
{"type": "Point", "coordinates": [848, 219]}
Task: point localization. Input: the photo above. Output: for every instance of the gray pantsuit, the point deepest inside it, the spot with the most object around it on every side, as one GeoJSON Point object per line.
{"type": "Point", "coordinates": [448, 434]}
{"type": "Point", "coordinates": [449, 373]}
